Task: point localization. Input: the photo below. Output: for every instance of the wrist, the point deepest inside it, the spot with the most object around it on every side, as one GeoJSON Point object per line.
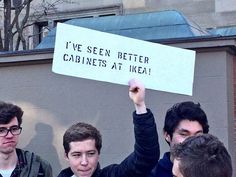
{"type": "Point", "coordinates": [140, 108]}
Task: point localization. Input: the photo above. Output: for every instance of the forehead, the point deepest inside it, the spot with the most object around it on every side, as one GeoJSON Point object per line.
{"type": "Point", "coordinates": [191, 126]}
{"type": "Point", "coordinates": [83, 146]}
{"type": "Point", "coordinates": [14, 121]}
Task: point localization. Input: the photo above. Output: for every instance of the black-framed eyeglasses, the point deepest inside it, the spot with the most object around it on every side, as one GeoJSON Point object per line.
{"type": "Point", "coordinates": [15, 130]}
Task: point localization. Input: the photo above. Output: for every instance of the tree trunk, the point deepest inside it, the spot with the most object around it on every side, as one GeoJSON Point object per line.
{"type": "Point", "coordinates": [21, 25]}
{"type": "Point", "coordinates": [7, 24]}
{"type": "Point", "coordinates": [1, 44]}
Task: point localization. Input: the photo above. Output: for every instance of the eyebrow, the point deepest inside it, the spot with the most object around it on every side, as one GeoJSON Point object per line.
{"type": "Point", "coordinates": [184, 130]}
{"type": "Point", "coordinates": [77, 152]}
{"type": "Point", "coordinates": [10, 127]}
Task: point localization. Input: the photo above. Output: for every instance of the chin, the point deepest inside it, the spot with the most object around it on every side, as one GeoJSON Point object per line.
{"type": "Point", "coordinates": [9, 150]}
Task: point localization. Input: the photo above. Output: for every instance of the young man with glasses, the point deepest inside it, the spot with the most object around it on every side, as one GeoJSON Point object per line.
{"type": "Point", "coordinates": [16, 162]}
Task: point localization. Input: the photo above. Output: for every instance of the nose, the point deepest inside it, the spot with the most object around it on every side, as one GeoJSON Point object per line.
{"type": "Point", "coordinates": [9, 135]}
{"type": "Point", "coordinates": [84, 160]}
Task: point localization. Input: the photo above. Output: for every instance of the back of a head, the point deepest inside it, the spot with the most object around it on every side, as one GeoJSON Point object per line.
{"type": "Point", "coordinates": [8, 111]}
{"type": "Point", "coordinates": [185, 110]}
{"type": "Point", "coordinates": [203, 156]}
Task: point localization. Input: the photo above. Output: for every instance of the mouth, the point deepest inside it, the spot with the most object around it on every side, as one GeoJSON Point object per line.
{"type": "Point", "coordinates": [85, 172]}
{"type": "Point", "coordinates": [9, 142]}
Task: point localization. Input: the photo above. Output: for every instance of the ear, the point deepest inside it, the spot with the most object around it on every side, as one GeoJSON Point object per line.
{"type": "Point", "coordinates": [167, 136]}
{"type": "Point", "coordinates": [66, 156]}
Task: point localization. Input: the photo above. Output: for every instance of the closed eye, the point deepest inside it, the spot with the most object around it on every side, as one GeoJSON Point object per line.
{"type": "Point", "coordinates": [91, 153]}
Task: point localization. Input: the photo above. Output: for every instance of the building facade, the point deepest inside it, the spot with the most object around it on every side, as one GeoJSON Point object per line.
{"type": "Point", "coordinates": [44, 14]}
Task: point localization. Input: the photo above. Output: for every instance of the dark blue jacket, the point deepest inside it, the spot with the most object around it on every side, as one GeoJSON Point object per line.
{"type": "Point", "coordinates": [139, 163]}
{"type": "Point", "coordinates": [163, 168]}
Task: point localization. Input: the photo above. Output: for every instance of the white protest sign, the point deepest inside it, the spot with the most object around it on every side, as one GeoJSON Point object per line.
{"type": "Point", "coordinates": [101, 56]}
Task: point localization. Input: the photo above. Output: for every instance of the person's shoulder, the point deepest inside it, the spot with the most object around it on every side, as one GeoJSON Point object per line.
{"type": "Point", "coordinates": [31, 156]}
{"type": "Point", "coordinates": [108, 170]}
{"type": "Point", "coordinates": [160, 171]}
{"type": "Point", "coordinates": [23, 154]}
{"type": "Point", "coordinates": [67, 172]}
{"type": "Point", "coordinates": [24, 151]}
{"type": "Point", "coordinates": [163, 168]}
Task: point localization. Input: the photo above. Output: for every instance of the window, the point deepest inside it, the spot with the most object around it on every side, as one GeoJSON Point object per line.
{"type": "Point", "coordinates": [44, 24]}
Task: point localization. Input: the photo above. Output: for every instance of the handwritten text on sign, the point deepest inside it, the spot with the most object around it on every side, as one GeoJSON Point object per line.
{"type": "Point", "coordinates": [91, 54]}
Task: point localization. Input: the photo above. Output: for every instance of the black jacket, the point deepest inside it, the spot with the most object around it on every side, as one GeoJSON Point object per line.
{"type": "Point", "coordinates": [142, 160]}
{"type": "Point", "coordinates": [163, 167]}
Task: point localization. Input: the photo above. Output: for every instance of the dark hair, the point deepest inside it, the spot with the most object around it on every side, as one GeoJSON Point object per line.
{"type": "Point", "coordinates": [202, 156]}
{"type": "Point", "coordinates": [79, 132]}
{"type": "Point", "coordinates": [184, 111]}
{"type": "Point", "coordinates": [8, 111]}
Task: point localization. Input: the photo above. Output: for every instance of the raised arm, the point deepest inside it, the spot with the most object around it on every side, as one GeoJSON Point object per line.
{"type": "Point", "coordinates": [146, 148]}
{"type": "Point", "coordinates": [137, 95]}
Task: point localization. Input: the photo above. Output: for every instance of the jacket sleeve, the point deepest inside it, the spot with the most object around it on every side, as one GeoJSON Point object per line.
{"type": "Point", "coordinates": [146, 149]}
{"type": "Point", "coordinates": [47, 169]}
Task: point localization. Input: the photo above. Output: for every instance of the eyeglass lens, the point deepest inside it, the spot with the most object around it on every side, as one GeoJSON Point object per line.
{"type": "Point", "coordinates": [15, 130]}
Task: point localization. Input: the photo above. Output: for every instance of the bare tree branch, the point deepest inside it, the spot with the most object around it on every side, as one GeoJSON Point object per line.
{"type": "Point", "coordinates": [14, 26]}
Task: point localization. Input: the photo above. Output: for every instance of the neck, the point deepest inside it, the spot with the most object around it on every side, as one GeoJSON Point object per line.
{"type": "Point", "coordinates": [8, 161]}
